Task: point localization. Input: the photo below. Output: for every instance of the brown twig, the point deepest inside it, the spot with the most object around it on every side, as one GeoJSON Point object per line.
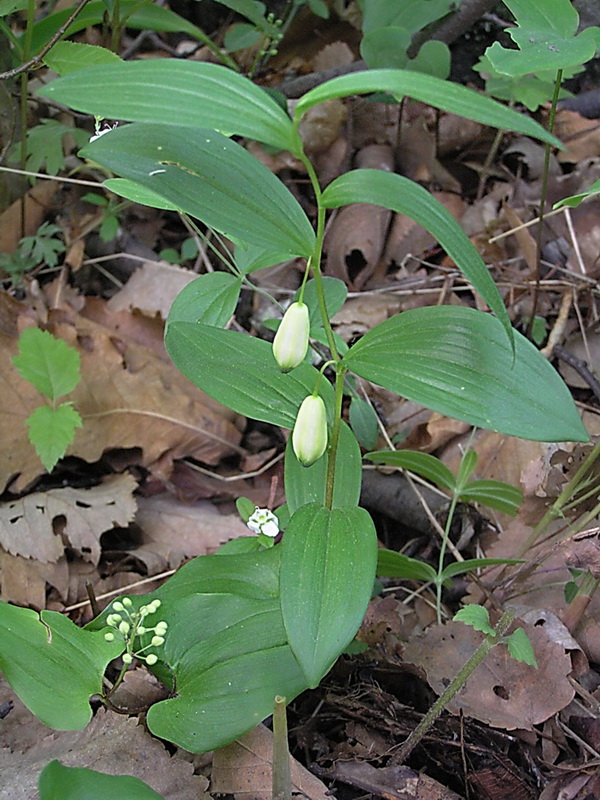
{"type": "Point", "coordinates": [37, 59]}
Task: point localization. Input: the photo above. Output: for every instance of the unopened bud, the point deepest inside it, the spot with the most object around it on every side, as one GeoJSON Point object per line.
{"type": "Point", "coordinates": [291, 340]}
{"type": "Point", "coordinates": [309, 437]}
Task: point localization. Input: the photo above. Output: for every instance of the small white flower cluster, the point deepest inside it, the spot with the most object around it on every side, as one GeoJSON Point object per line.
{"type": "Point", "coordinates": [264, 521]}
{"type": "Point", "coordinates": [128, 624]}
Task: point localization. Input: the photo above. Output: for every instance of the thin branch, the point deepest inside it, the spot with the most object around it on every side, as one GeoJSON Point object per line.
{"type": "Point", "coordinates": [37, 59]}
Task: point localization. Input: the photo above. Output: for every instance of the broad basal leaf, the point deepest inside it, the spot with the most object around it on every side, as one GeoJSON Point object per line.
{"type": "Point", "coordinates": [210, 177]}
{"type": "Point", "coordinates": [433, 91]}
{"type": "Point", "coordinates": [54, 666]}
{"type": "Point", "coordinates": [240, 371]}
{"type": "Point", "coordinates": [327, 572]}
{"type": "Point", "coordinates": [407, 197]}
{"type": "Point", "coordinates": [458, 361]}
{"type": "Point", "coordinates": [58, 782]}
{"type": "Point", "coordinates": [175, 92]}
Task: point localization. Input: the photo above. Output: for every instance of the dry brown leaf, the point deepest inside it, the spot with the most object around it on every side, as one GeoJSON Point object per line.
{"type": "Point", "coordinates": [112, 744]}
{"type": "Point", "coordinates": [176, 531]}
{"type": "Point", "coordinates": [359, 314]}
{"type": "Point", "coordinates": [127, 397]}
{"type": "Point", "coordinates": [502, 692]}
{"type": "Point", "coordinates": [322, 125]}
{"type": "Point", "coordinates": [244, 769]}
{"type": "Point", "coordinates": [152, 288]}
{"type": "Point", "coordinates": [24, 580]}
{"type": "Point", "coordinates": [40, 524]}
{"type": "Point", "coordinates": [335, 54]}
{"type": "Point", "coordinates": [398, 782]}
{"type": "Point", "coordinates": [580, 136]}
{"type": "Point", "coordinates": [37, 202]}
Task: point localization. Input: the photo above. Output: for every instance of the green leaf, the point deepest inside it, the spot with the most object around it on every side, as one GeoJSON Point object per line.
{"type": "Point", "coordinates": [259, 390]}
{"type": "Point", "coordinates": [138, 194]}
{"type": "Point", "coordinates": [520, 647]}
{"type": "Point", "coordinates": [249, 258]}
{"type": "Point", "coordinates": [240, 36]}
{"type": "Point", "coordinates": [406, 197]}
{"type": "Point", "coordinates": [542, 50]}
{"type": "Point", "coordinates": [305, 485]}
{"type": "Point", "coordinates": [47, 362]}
{"type": "Point", "coordinates": [65, 57]}
{"type": "Point", "coordinates": [494, 494]}
{"type": "Point", "coordinates": [210, 177]}
{"type": "Point", "coordinates": [53, 666]}
{"type": "Point", "coordinates": [363, 421]}
{"type": "Point", "coordinates": [458, 362]}
{"type": "Point", "coordinates": [245, 508]}
{"type": "Point", "coordinates": [58, 782]}
{"type": "Point", "coordinates": [557, 15]}
{"type": "Point", "coordinates": [434, 58]}
{"type": "Point", "coordinates": [210, 299]}
{"type": "Point", "coordinates": [335, 292]}
{"type": "Point", "coordinates": [45, 145]}
{"type": "Point", "coordinates": [396, 565]}
{"type": "Point", "coordinates": [177, 93]}
{"type": "Point", "coordinates": [428, 89]}
{"type": "Point", "coordinates": [576, 199]}
{"type": "Point", "coordinates": [226, 647]}
{"type": "Point", "coordinates": [51, 431]}
{"type": "Point", "coordinates": [327, 572]}
{"type": "Point", "coordinates": [410, 14]}
{"type": "Point", "coordinates": [10, 6]}
{"type": "Point", "coordinates": [423, 464]}
{"type": "Point", "coordinates": [140, 16]}
{"type": "Point", "coordinates": [476, 617]}
{"type": "Point", "coordinates": [466, 468]}
{"type": "Point", "coordinates": [385, 48]}
{"type": "Point", "coordinates": [470, 564]}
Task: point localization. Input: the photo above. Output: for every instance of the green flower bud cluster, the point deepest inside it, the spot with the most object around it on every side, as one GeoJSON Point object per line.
{"type": "Point", "coordinates": [128, 624]}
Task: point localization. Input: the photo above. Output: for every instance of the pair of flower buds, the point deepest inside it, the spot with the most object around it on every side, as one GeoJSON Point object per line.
{"type": "Point", "coordinates": [309, 437]}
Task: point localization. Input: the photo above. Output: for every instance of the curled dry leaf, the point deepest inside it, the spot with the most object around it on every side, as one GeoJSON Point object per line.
{"type": "Point", "coordinates": [322, 125]}
{"type": "Point", "coordinates": [152, 288]}
{"type": "Point", "coordinates": [39, 525]}
{"type": "Point", "coordinates": [355, 242]}
{"type": "Point", "coordinates": [502, 692]}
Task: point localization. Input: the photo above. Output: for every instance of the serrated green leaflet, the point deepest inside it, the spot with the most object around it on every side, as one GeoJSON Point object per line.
{"type": "Point", "coordinates": [54, 666]}
{"type": "Point", "coordinates": [67, 57]}
{"type": "Point", "coordinates": [252, 384]}
{"type": "Point", "coordinates": [210, 177]}
{"type": "Point", "coordinates": [51, 431]}
{"type": "Point", "coordinates": [327, 572]}
{"type": "Point", "coordinates": [47, 362]}
{"type": "Point", "coordinates": [458, 361]}
{"type": "Point", "coordinates": [177, 93]}
{"type": "Point", "coordinates": [433, 91]}
{"type": "Point", "coordinates": [407, 197]}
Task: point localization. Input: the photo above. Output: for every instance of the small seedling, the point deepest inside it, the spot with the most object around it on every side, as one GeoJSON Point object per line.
{"type": "Point", "coordinates": [52, 367]}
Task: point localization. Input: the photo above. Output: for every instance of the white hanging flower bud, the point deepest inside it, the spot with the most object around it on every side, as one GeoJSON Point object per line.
{"type": "Point", "coordinates": [309, 437]}
{"type": "Point", "coordinates": [291, 340]}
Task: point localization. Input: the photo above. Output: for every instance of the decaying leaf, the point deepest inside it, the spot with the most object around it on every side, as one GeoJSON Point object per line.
{"type": "Point", "coordinates": [41, 524]}
{"type": "Point", "coordinates": [152, 288]}
{"type": "Point", "coordinates": [244, 769]}
{"type": "Point", "coordinates": [501, 692]}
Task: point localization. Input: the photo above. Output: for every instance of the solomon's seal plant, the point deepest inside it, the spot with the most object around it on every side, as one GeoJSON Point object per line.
{"type": "Point", "coordinates": [245, 627]}
{"type": "Point", "coordinates": [291, 340]}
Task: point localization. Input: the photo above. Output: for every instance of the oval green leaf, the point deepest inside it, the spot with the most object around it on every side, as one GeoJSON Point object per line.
{"type": "Point", "coordinates": [407, 197]}
{"type": "Point", "coordinates": [210, 299]}
{"type": "Point", "coordinates": [327, 571]}
{"type": "Point", "coordinates": [177, 93]}
{"type": "Point", "coordinates": [53, 666]}
{"type": "Point", "coordinates": [210, 177]}
{"type": "Point", "coordinates": [458, 361]}
{"type": "Point", "coordinates": [240, 371]}
{"type": "Point", "coordinates": [58, 782]}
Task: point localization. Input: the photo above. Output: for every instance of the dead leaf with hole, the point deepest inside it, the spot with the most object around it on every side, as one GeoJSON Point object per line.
{"type": "Point", "coordinates": [501, 692]}
{"type": "Point", "coordinates": [39, 525]}
{"type": "Point", "coordinates": [175, 531]}
{"type": "Point", "coordinates": [37, 201]}
{"type": "Point", "coordinates": [244, 769]}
